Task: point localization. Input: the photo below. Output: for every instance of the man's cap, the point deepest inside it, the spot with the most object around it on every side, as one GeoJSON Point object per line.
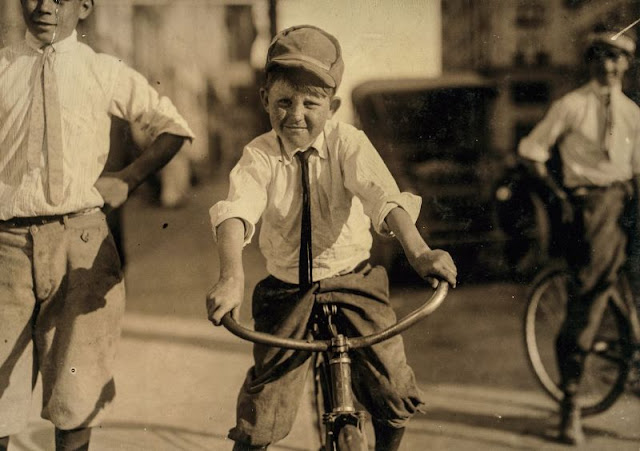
{"type": "Point", "coordinates": [612, 39]}
{"type": "Point", "coordinates": [309, 48]}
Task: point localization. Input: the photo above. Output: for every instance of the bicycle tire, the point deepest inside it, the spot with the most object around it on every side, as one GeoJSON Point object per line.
{"type": "Point", "coordinates": [607, 364]}
{"type": "Point", "coordinates": [351, 438]}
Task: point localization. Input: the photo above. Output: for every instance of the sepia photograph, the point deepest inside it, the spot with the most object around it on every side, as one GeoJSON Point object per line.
{"type": "Point", "coordinates": [319, 225]}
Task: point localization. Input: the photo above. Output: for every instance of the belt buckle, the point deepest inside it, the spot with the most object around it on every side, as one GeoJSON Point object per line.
{"type": "Point", "coordinates": [580, 191]}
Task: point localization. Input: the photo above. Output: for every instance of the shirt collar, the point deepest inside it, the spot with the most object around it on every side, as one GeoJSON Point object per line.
{"type": "Point", "coordinates": [600, 90]}
{"type": "Point", "coordinates": [319, 144]}
{"type": "Point", "coordinates": [60, 46]}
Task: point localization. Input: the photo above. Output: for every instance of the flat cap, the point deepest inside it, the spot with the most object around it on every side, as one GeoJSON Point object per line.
{"type": "Point", "coordinates": [309, 48]}
{"type": "Point", "coordinates": [610, 39]}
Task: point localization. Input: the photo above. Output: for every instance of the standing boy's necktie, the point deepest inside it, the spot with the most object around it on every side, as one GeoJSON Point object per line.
{"type": "Point", "coordinates": [608, 124]}
{"type": "Point", "coordinates": [45, 126]}
{"type": "Point", "coordinates": [305, 264]}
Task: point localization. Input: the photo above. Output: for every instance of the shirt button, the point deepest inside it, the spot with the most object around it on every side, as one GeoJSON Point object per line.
{"type": "Point", "coordinates": [33, 229]}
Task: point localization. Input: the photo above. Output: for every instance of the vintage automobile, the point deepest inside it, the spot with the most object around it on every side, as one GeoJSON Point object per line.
{"type": "Point", "coordinates": [435, 136]}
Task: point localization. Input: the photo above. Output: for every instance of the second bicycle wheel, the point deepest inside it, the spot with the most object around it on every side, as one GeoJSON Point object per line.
{"type": "Point", "coordinates": [606, 365]}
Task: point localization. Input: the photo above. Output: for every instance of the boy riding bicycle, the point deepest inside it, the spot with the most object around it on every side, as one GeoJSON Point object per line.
{"type": "Point", "coordinates": [318, 185]}
{"type": "Point", "coordinates": [597, 130]}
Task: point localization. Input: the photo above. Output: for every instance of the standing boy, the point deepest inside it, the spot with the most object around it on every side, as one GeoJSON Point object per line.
{"type": "Point", "coordinates": [597, 129]}
{"type": "Point", "coordinates": [61, 285]}
{"type": "Point", "coordinates": [317, 185]}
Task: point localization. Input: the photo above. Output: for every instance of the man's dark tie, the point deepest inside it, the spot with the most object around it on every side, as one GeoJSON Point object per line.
{"type": "Point", "coordinates": [608, 123]}
{"type": "Point", "coordinates": [305, 265]}
{"type": "Point", "coordinates": [45, 126]}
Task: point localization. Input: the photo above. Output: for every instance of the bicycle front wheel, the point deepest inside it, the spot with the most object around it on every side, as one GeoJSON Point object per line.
{"type": "Point", "coordinates": [607, 363]}
{"type": "Point", "coordinates": [351, 438]}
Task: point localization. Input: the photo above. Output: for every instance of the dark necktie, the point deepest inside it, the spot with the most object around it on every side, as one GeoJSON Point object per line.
{"type": "Point", "coordinates": [305, 265]}
{"type": "Point", "coordinates": [45, 126]}
{"type": "Point", "coordinates": [608, 124]}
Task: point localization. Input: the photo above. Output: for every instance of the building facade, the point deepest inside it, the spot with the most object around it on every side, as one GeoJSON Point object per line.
{"type": "Point", "coordinates": [531, 48]}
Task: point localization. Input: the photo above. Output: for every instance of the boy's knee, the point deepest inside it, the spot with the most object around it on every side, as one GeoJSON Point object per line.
{"type": "Point", "coordinates": [253, 439]}
{"type": "Point", "coordinates": [68, 415]}
{"type": "Point", "coordinates": [65, 418]}
{"type": "Point", "coordinates": [78, 403]}
{"type": "Point", "coordinates": [396, 411]}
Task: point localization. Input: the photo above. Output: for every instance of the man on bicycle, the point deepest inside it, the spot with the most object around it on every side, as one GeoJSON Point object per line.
{"type": "Point", "coordinates": [596, 129]}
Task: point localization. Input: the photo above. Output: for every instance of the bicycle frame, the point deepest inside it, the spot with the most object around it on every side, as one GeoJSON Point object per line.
{"type": "Point", "coordinates": [336, 350]}
{"type": "Point", "coordinates": [343, 410]}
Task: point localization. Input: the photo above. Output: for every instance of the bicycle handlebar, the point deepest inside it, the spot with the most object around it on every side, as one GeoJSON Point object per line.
{"type": "Point", "coordinates": [426, 309]}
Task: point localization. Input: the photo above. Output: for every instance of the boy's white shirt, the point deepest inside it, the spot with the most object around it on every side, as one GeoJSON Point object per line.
{"type": "Point", "coordinates": [92, 87]}
{"type": "Point", "coordinates": [349, 185]}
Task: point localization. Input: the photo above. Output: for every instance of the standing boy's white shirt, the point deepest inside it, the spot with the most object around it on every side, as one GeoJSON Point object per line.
{"type": "Point", "coordinates": [92, 87]}
{"type": "Point", "coordinates": [577, 121]}
{"type": "Point", "coordinates": [349, 184]}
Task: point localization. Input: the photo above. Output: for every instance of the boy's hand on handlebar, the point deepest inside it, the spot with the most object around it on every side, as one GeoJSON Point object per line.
{"type": "Point", "coordinates": [433, 265]}
{"type": "Point", "coordinates": [224, 297]}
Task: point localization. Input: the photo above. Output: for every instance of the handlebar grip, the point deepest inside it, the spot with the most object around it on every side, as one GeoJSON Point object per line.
{"type": "Point", "coordinates": [353, 343]}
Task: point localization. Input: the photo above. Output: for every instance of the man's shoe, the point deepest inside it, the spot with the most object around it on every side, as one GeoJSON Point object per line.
{"type": "Point", "coordinates": [570, 423]}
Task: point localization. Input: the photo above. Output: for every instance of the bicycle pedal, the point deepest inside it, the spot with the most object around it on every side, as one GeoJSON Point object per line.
{"type": "Point", "coordinates": [600, 346]}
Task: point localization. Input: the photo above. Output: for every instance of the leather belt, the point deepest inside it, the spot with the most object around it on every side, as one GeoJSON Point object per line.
{"type": "Point", "coordinates": [580, 191]}
{"type": "Point", "coordinates": [29, 221]}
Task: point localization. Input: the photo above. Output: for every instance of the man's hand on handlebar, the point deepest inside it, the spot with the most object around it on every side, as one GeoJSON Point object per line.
{"type": "Point", "coordinates": [433, 265]}
{"type": "Point", "coordinates": [225, 296]}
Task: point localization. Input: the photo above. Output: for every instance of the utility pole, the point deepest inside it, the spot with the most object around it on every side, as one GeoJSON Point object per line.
{"type": "Point", "coordinates": [273, 22]}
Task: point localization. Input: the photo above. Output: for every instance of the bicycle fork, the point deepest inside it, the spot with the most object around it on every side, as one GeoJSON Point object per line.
{"type": "Point", "coordinates": [343, 411]}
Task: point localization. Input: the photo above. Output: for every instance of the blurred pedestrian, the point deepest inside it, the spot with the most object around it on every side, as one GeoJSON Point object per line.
{"type": "Point", "coordinates": [597, 130]}
{"type": "Point", "coordinates": [188, 86]}
{"type": "Point", "coordinates": [61, 284]}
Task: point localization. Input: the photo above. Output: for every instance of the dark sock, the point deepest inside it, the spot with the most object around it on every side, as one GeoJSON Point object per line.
{"type": "Point", "coordinates": [4, 443]}
{"type": "Point", "coordinates": [73, 440]}
{"type": "Point", "coordinates": [387, 438]}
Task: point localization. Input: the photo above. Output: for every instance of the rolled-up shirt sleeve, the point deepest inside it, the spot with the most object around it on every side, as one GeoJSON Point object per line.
{"type": "Point", "coordinates": [137, 102]}
{"type": "Point", "coordinates": [247, 199]}
{"type": "Point", "coordinates": [369, 179]}
{"type": "Point", "coordinates": [536, 146]}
